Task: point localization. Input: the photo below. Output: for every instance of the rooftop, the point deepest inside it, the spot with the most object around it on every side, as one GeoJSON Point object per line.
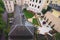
{"type": "Point", "coordinates": [55, 6]}
{"type": "Point", "coordinates": [56, 13]}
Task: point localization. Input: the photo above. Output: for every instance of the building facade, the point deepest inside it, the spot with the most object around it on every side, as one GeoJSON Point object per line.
{"type": "Point", "coordinates": [33, 5]}
{"type": "Point", "coordinates": [37, 5]}
{"type": "Point", "coordinates": [9, 5]}
{"type": "Point", "coordinates": [53, 19]}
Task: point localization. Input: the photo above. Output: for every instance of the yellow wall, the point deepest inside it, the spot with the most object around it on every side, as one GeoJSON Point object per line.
{"type": "Point", "coordinates": [56, 1]}
{"type": "Point", "coordinates": [56, 13]}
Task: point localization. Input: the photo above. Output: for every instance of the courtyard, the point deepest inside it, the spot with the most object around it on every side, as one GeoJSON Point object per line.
{"type": "Point", "coordinates": [30, 16]}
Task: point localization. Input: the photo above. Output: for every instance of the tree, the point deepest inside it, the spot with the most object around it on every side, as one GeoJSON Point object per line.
{"type": "Point", "coordinates": [1, 10]}
{"type": "Point", "coordinates": [45, 10]}
{"type": "Point", "coordinates": [1, 6]}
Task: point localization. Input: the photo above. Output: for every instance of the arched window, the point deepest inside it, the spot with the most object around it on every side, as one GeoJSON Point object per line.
{"type": "Point", "coordinates": [38, 6]}
{"type": "Point", "coordinates": [39, 1]}
{"type": "Point", "coordinates": [33, 0]}
{"type": "Point", "coordinates": [35, 5]}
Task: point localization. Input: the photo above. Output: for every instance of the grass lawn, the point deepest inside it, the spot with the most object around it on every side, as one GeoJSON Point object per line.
{"type": "Point", "coordinates": [28, 14]}
{"type": "Point", "coordinates": [35, 22]}
{"type": "Point", "coordinates": [57, 36]}
{"type": "Point", "coordinates": [10, 15]}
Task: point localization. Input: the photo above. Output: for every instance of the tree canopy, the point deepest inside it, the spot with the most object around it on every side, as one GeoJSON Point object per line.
{"type": "Point", "coordinates": [2, 22]}
{"type": "Point", "coordinates": [1, 6]}
{"type": "Point", "coordinates": [45, 10]}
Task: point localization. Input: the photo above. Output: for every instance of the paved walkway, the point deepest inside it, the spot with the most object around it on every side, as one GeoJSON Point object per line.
{"type": "Point", "coordinates": [3, 37]}
{"type": "Point", "coordinates": [5, 16]}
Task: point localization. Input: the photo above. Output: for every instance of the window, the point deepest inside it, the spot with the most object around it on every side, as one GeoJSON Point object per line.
{"type": "Point", "coordinates": [8, 9]}
{"type": "Point", "coordinates": [30, 0]}
{"type": "Point", "coordinates": [9, 2]}
{"type": "Point", "coordinates": [35, 5]}
{"type": "Point", "coordinates": [6, 5]}
{"type": "Point", "coordinates": [59, 16]}
{"type": "Point", "coordinates": [49, 23]}
{"type": "Point", "coordinates": [10, 5]}
{"type": "Point", "coordinates": [51, 1]}
{"type": "Point", "coordinates": [38, 6]}
{"type": "Point", "coordinates": [40, 1]}
{"type": "Point", "coordinates": [36, 0]}
{"type": "Point", "coordinates": [33, 0]}
{"type": "Point", "coordinates": [47, 1]}
{"type": "Point", "coordinates": [11, 9]}
{"type": "Point", "coordinates": [44, 18]}
{"type": "Point", "coordinates": [6, 2]}
{"type": "Point", "coordinates": [39, 13]}
{"type": "Point", "coordinates": [47, 20]}
{"type": "Point", "coordinates": [25, 1]}
{"type": "Point", "coordinates": [15, 1]}
{"type": "Point", "coordinates": [32, 5]}
{"type": "Point", "coordinates": [52, 26]}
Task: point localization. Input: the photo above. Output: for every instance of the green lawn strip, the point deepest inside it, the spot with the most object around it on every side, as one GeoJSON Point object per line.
{"type": "Point", "coordinates": [10, 15]}
{"type": "Point", "coordinates": [57, 36]}
{"type": "Point", "coordinates": [28, 14]}
{"type": "Point", "coordinates": [35, 22]}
